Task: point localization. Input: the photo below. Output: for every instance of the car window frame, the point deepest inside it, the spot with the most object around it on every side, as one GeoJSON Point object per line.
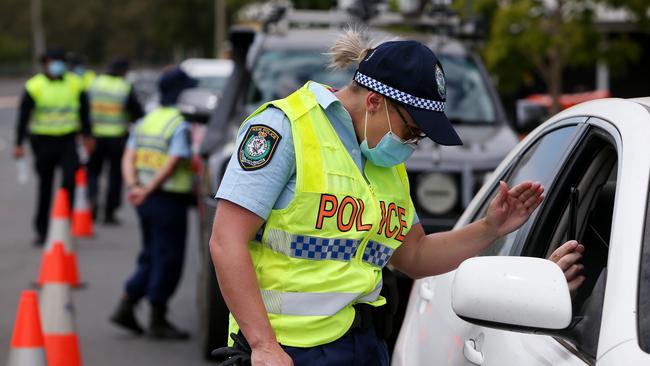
{"type": "Point", "coordinates": [579, 123]}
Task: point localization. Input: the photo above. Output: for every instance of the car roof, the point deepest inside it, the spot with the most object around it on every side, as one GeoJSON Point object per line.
{"type": "Point", "coordinates": [645, 101]}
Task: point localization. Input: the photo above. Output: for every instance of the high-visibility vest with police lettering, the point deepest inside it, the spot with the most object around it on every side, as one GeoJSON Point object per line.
{"type": "Point", "coordinates": [324, 252]}
{"type": "Point", "coordinates": [108, 95]}
{"type": "Point", "coordinates": [152, 138]}
{"type": "Point", "coordinates": [56, 104]}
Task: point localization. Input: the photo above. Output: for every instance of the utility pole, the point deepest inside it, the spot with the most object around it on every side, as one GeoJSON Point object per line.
{"type": "Point", "coordinates": [38, 33]}
{"type": "Point", "coordinates": [219, 28]}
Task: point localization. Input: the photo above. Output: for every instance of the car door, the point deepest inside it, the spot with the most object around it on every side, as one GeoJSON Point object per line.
{"type": "Point", "coordinates": [579, 205]}
{"type": "Point", "coordinates": [431, 332]}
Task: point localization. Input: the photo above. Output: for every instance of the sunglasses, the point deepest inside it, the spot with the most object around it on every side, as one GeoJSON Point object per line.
{"type": "Point", "coordinates": [415, 137]}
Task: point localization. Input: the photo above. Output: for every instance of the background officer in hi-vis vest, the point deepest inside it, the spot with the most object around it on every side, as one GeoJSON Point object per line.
{"type": "Point", "coordinates": [315, 202]}
{"type": "Point", "coordinates": [53, 110]}
{"type": "Point", "coordinates": [157, 171]}
{"type": "Point", "coordinates": [113, 104]}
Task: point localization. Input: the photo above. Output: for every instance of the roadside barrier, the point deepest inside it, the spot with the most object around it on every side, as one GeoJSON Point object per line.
{"type": "Point", "coordinates": [27, 344]}
{"type": "Point", "coordinates": [57, 315]}
{"type": "Point", "coordinates": [82, 217]}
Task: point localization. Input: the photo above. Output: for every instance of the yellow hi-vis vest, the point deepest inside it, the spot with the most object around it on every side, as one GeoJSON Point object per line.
{"type": "Point", "coordinates": [152, 137]}
{"type": "Point", "coordinates": [324, 252]}
{"type": "Point", "coordinates": [108, 96]}
{"type": "Point", "coordinates": [56, 104]}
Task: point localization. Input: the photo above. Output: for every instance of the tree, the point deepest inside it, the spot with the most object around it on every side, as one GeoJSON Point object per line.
{"type": "Point", "coordinates": [548, 36]}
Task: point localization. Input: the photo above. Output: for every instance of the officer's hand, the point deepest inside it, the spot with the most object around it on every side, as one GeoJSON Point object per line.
{"type": "Point", "coordinates": [511, 208]}
{"type": "Point", "coordinates": [88, 143]}
{"type": "Point", "coordinates": [270, 355]}
{"type": "Point", "coordinates": [567, 257]}
{"type": "Point", "coordinates": [19, 152]}
{"type": "Point", "coordinates": [137, 195]}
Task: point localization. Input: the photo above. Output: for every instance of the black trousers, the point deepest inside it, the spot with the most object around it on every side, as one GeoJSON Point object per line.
{"type": "Point", "coordinates": [51, 152]}
{"type": "Point", "coordinates": [109, 150]}
{"type": "Point", "coordinates": [163, 225]}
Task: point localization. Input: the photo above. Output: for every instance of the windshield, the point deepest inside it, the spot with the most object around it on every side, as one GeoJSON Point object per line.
{"type": "Point", "coordinates": [215, 83]}
{"type": "Point", "coordinates": [468, 100]}
{"type": "Point", "coordinates": [279, 73]}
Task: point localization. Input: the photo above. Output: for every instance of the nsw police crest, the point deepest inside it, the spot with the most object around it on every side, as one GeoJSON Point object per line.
{"type": "Point", "coordinates": [440, 81]}
{"type": "Point", "coordinates": [257, 147]}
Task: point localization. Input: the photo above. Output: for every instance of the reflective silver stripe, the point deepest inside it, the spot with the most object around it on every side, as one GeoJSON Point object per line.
{"type": "Point", "coordinates": [377, 254]}
{"type": "Point", "coordinates": [306, 303]}
{"type": "Point", "coordinates": [311, 247]}
{"type": "Point", "coordinates": [313, 303]}
{"type": "Point", "coordinates": [374, 295]}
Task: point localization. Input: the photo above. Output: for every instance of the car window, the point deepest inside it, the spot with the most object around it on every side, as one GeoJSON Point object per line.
{"type": "Point", "coordinates": [644, 288]}
{"type": "Point", "coordinates": [279, 73]}
{"type": "Point", "coordinates": [215, 83]}
{"type": "Point", "coordinates": [468, 99]}
{"type": "Point", "coordinates": [579, 206]}
{"type": "Point", "coordinates": [538, 163]}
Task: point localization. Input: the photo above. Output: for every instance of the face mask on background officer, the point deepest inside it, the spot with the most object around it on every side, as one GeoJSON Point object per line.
{"type": "Point", "coordinates": [55, 68]}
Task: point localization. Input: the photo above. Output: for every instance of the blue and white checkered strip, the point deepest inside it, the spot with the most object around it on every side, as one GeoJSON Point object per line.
{"type": "Point", "coordinates": [406, 98]}
{"type": "Point", "coordinates": [377, 254]}
{"type": "Point", "coordinates": [310, 247]}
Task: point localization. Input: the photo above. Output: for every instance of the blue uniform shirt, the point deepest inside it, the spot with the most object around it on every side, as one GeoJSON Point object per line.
{"type": "Point", "coordinates": [274, 185]}
{"type": "Point", "coordinates": [180, 144]}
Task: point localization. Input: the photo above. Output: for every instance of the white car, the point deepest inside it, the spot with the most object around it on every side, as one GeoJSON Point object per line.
{"type": "Point", "coordinates": [509, 305]}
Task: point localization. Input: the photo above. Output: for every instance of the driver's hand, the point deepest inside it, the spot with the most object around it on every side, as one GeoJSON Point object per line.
{"type": "Point", "coordinates": [567, 257]}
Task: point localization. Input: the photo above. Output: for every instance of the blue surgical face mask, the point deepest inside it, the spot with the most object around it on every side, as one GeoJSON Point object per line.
{"type": "Point", "coordinates": [56, 68]}
{"type": "Point", "coordinates": [391, 149]}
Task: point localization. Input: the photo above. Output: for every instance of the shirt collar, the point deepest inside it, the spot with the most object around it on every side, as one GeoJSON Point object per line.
{"type": "Point", "coordinates": [324, 96]}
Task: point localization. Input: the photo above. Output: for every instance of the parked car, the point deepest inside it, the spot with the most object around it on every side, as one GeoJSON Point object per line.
{"type": "Point", "coordinates": [509, 305]}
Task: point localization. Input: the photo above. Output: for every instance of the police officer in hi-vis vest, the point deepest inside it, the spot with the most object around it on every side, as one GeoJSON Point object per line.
{"type": "Point", "coordinates": [316, 201]}
{"type": "Point", "coordinates": [157, 171]}
{"type": "Point", "coordinates": [53, 111]}
{"type": "Point", "coordinates": [113, 104]}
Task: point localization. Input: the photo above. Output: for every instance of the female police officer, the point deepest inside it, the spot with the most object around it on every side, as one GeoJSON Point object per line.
{"type": "Point", "coordinates": [315, 201]}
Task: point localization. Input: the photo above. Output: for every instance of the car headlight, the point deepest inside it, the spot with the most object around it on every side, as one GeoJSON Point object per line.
{"type": "Point", "coordinates": [437, 193]}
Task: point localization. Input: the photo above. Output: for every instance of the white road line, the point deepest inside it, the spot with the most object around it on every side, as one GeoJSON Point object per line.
{"type": "Point", "coordinates": [8, 102]}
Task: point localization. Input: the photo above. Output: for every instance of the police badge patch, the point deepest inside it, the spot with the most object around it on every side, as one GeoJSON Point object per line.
{"type": "Point", "coordinates": [440, 81]}
{"type": "Point", "coordinates": [257, 147]}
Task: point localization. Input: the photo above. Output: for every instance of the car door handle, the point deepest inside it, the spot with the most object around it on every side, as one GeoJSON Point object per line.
{"type": "Point", "coordinates": [426, 294]}
{"type": "Point", "coordinates": [471, 353]}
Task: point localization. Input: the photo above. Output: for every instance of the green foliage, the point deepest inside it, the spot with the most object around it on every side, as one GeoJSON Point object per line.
{"type": "Point", "coordinates": [526, 37]}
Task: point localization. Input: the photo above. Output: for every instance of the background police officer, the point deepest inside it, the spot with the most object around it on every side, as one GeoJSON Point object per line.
{"type": "Point", "coordinates": [157, 171]}
{"type": "Point", "coordinates": [113, 104]}
{"type": "Point", "coordinates": [53, 110]}
{"type": "Point", "coordinates": [77, 65]}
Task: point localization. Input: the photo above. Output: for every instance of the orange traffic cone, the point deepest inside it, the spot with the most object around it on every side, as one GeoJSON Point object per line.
{"type": "Point", "coordinates": [59, 226]}
{"type": "Point", "coordinates": [51, 262]}
{"type": "Point", "coordinates": [27, 340]}
{"type": "Point", "coordinates": [57, 314]}
{"type": "Point", "coordinates": [59, 233]}
{"type": "Point", "coordinates": [82, 217]}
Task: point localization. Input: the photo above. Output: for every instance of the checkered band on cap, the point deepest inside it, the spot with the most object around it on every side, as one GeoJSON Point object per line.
{"type": "Point", "coordinates": [406, 98]}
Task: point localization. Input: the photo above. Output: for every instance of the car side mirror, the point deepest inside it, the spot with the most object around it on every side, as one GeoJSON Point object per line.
{"type": "Point", "coordinates": [513, 293]}
{"type": "Point", "coordinates": [529, 116]}
{"type": "Point", "coordinates": [197, 104]}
